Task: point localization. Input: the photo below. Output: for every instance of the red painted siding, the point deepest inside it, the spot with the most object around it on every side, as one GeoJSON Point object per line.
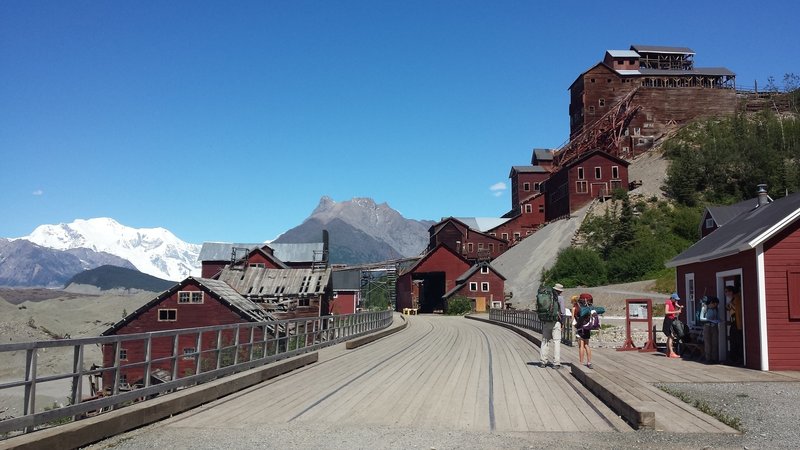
{"type": "Point", "coordinates": [782, 257]}
{"type": "Point", "coordinates": [212, 268]}
{"type": "Point", "coordinates": [259, 258]}
{"type": "Point", "coordinates": [576, 185]}
{"type": "Point", "coordinates": [705, 279]}
{"type": "Point", "coordinates": [525, 223]}
{"type": "Point", "coordinates": [495, 292]}
{"type": "Point", "coordinates": [441, 260]}
{"type": "Point", "coordinates": [345, 302]}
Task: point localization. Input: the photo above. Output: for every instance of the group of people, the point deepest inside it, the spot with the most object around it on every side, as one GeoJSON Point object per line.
{"type": "Point", "coordinates": [552, 330]}
{"type": "Point", "coordinates": [709, 317]}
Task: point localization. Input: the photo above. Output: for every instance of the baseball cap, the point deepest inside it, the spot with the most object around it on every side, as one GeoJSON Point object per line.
{"type": "Point", "coordinates": [674, 296]}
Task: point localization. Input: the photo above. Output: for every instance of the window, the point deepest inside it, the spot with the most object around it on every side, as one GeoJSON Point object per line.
{"type": "Point", "coordinates": [649, 117]}
{"type": "Point", "coordinates": [123, 354]}
{"type": "Point", "coordinates": [615, 172]}
{"type": "Point", "coordinates": [709, 223]}
{"type": "Point", "coordinates": [581, 187]}
{"type": "Point", "coordinates": [167, 315]}
{"type": "Point", "coordinates": [541, 208]}
{"type": "Point", "coordinates": [526, 187]}
{"type": "Point", "coordinates": [485, 286]}
{"type": "Point", "coordinates": [536, 187]}
{"type": "Point", "coordinates": [492, 234]}
{"type": "Point", "coordinates": [188, 352]}
{"type": "Point", "coordinates": [123, 378]}
{"type": "Point", "coordinates": [516, 236]}
{"type": "Point", "coordinates": [627, 131]}
{"type": "Point", "coordinates": [473, 286]}
{"type": "Point", "coordinates": [591, 109]}
{"type": "Point", "coordinates": [591, 80]}
{"type": "Point", "coordinates": [648, 125]}
{"type": "Point", "coordinates": [504, 236]}
{"type": "Point", "coordinates": [491, 248]}
{"type": "Point", "coordinates": [608, 80]}
{"type": "Point", "coordinates": [598, 173]}
{"type": "Point", "coordinates": [480, 245]}
{"type": "Point", "coordinates": [484, 269]}
{"type": "Point", "coordinates": [335, 294]}
{"type": "Point", "coordinates": [580, 173]}
{"type": "Point", "coordinates": [691, 302]}
{"type": "Point", "coordinates": [258, 265]}
{"type": "Point", "coordinates": [637, 131]}
{"type": "Point", "coordinates": [304, 301]}
{"type": "Point", "coordinates": [528, 208]}
{"type": "Point", "coordinates": [469, 247]}
{"type": "Point", "coordinates": [601, 102]}
{"type": "Point", "coordinates": [626, 149]}
{"type": "Point", "coordinates": [190, 297]}
{"type": "Point", "coordinates": [642, 141]}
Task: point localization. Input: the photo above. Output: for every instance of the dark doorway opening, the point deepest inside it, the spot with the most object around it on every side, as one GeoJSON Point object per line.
{"type": "Point", "coordinates": [431, 291]}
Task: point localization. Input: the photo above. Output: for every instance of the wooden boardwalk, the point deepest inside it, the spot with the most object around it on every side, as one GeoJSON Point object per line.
{"type": "Point", "coordinates": [440, 373]}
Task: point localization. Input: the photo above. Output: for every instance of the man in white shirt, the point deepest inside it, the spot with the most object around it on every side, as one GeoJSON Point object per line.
{"type": "Point", "coordinates": [551, 333]}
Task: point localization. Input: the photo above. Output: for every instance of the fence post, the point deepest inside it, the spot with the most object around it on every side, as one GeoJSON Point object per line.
{"type": "Point", "coordinates": [77, 378]}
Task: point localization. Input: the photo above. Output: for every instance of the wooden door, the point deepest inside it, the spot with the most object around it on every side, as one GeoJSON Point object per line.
{"type": "Point", "coordinates": [480, 304]}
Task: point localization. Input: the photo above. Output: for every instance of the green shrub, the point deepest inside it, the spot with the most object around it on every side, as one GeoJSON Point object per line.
{"type": "Point", "coordinates": [577, 267]}
{"type": "Point", "coordinates": [458, 306]}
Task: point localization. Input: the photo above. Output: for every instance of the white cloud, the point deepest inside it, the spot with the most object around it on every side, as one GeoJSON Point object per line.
{"type": "Point", "coordinates": [38, 192]}
{"type": "Point", "coordinates": [498, 187]}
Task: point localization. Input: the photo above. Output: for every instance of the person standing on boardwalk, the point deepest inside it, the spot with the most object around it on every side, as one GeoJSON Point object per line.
{"type": "Point", "coordinates": [734, 305]}
{"type": "Point", "coordinates": [672, 310]}
{"type": "Point", "coordinates": [551, 332]}
{"type": "Point", "coordinates": [709, 316]}
{"type": "Point", "coordinates": [581, 331]}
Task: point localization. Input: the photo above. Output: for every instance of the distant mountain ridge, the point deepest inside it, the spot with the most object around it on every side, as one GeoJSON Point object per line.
{"type": "Point", "coordinates": [113, 278]}
{"type": "Point", "coordinates": [25, 264]}
{"type": "Point", "coordinates": [361, 231]}
{"type": "Point", "coordinates": [154, 251]}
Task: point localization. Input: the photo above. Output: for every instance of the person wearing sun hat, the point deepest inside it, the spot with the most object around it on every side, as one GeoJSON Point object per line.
{"type": "Point", "coordinates": [672, 309]}
{"type": "Point", "coordinates": [551, 332]}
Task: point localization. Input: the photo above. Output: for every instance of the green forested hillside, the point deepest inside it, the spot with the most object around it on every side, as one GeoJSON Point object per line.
{"type": "Point", "coordinates": [715, 162]}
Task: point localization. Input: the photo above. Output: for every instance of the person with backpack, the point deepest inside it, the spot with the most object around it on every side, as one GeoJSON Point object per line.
{"type": "Point", "coordinates": [550, 309]}
{"type": "Point", "coordinates": [582, 329]}
{"type": "Point", "coordinates": [672, 309]}
{"type": "Point", "coordinates": [709, 317]}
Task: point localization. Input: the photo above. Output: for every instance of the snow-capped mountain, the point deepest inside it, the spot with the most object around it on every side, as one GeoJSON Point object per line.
{"type": "Point", "coordinates": [154, 251]}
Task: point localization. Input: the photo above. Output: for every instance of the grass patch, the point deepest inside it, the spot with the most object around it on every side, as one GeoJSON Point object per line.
{"type": "Point", "coordinates": [665, 281]}
{"type": "Point", "coordinates": [605, 326]}
{"type": "Point", "coordinates": [703, 406]}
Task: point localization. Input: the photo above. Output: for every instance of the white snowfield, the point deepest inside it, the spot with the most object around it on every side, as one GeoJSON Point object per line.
{"type": "Point", "coordinates": [522, 264]}
{"type": "Point", "coordinates": [154, 251]}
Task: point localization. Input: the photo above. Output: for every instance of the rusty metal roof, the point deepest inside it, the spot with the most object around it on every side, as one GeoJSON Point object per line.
{"type": "Point", "coordinates": [272, 283]}
{"type": "Point", "coordinates": [662, 49]}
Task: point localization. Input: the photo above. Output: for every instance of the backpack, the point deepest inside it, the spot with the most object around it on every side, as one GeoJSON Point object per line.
{"type": "Point", "coordinates": [547, 305]}
{"type": "Point", "coordinates": [678, 329]}
{"type": "Point", "coordinates": [590, 322]}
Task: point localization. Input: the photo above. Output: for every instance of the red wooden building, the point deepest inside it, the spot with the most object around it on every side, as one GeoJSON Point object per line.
{"type": "Point", "coordinates": [717, 216]}
{"type": "Point", "coordinates": [346, 291]}
{"type": "Point", "coordinates": [424, 284]}
{"type": "Point", "coordinates": [483, 285]}
{"type": "Point", "coordinates": [758, 252]}
{"type": "Point", "coordinates": [194, 302]}
{"type": "Point", "coordinates": [467, 239]}
{"type": "Point", "coordinates": [522, 222]}
{"type": "Point", "coordinates": [214, 256]}
{"type": "Point", "coordinates": [593, 175]}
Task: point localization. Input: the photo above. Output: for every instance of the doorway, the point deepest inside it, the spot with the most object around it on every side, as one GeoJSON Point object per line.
{"type": "Point", "coordinates": [731, 343]}
{"type": "Point", "coordinates": [431, 286]}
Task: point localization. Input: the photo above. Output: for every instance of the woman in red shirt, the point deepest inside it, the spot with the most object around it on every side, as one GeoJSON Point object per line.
{"type": "Point", "coordinates": [672, 310]}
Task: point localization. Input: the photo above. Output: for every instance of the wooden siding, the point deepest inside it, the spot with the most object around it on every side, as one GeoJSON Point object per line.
{"type": "Point", "coordinates": [562, 189]}
{"type": "Point", "coordinates": [345, 302]}
{"type": "Point", "coordinates": [518, 181]}
{"type": "Point", "coordinates": [705, 281]}
{"type": "Point", "coordinates": [495, 292]}
{"type": "Point", "coordinates": [212, 268]}
{"type": "Point", "coordinates": [441, 260]}
{"type": "Point", "coordinates": [781, 257]}
{"type": "Point", "coordinates": [524, 223]}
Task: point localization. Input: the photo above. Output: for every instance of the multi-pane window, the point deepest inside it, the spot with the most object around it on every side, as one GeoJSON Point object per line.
{"type": "Point", "coordinates": [258, 265]}
{"type": "Point", "coordinates": [541, 208]}
{"type": "Point", "coordinates": [504, 236]}
{"type": "Point", "coordinates": [537, 187]}
{"type": "Point", "coordinates": [591, 109]}
{"type": "Point", "coordinates": [469, 247]}
{"type": "Point", "coordinates": [528, 208]}
{"type": "Point", "coordinates": [491, 248]}
{"type": "Point", "coordinates": [188, 352]}
{"type": "Point", "coordinates": [190, 297]}
{"type": "Point", "coordinates": [526, 187]}
{"type": "Point", "coordinates": [581, 187]}
{"type": "Point", "coordinates": [601, 102]}
{"type": "Point", "coordinates": [123, 354]}
{"type": "Point", "coordinates": [485, 286]}
{"type": "Point", "coordinates": [304, 301]}
{"type": "Point", "coordinates": [167, 315]}
{"type": "Point", "coordinates": [709, 223]}
{"type": "Point", "coordinates": [516, 236]}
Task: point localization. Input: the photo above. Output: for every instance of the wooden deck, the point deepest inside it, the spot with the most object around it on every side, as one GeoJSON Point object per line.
{"type": "Point", "coordinates": [439, 373]}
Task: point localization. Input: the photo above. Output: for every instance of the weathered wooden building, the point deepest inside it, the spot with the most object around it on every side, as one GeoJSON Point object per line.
{"type": "Point", "coordinates": [194, 302]}
{"type": "Point", "coordinates": [757, 252]}
{"type": "Point", "coordinates": [483, 285]}
{"type": "Point", "coordinates": [424, 284]}
{"type": "Point", "coordinates": [468, 238]}
{"type": "Point", "coordinates": [593, 175]}
{"type": "Point", "coordinates": [638, 94]}
{"type": "Point", "coordinates": [214, 256]}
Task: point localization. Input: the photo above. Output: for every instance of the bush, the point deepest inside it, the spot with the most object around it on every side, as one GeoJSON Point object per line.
{"type": "Point", "coordinates": [458, 306]}
{"type": "Point", "coordinates": [577, 267]}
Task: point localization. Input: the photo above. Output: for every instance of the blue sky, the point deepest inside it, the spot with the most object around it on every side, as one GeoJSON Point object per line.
{"type": "Point", "coordinates": [228, 121]}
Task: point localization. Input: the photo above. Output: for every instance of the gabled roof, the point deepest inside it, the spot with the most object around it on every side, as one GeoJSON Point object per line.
{"type": "Point", "coordinates": [347, 280]}
{"type": "Point", "coordinates": [438, 248]}
{"type": "Point", "coordinates": [661, 49]}
{"type": "Point", "coordinates": [600, 64]}
{"type": "Point", "coordinates": [541, 154]}
{"type": "Point", "coordinates": [623, 53]}
{"type": "Point", "coordinates": [744, 232]}
{"type": "Point", "coordinates": [482, 224]}
{"type": "Point", "coordinates": [273, 283]}
{"type": "Point", "coordinates": [268, 256]}
{"type": "Point", "coordinates": [588, 155]}
{"type": "Point", "coordinates": [216, 289]}
{"type": "Point", "coordinates": [527, 169]}
{"type": "Point", "coordinates": [724, 214]}
{"type": "Point", "coordinates": [461, 281]}
{"type": "Point", "coordinates": [221, 251]}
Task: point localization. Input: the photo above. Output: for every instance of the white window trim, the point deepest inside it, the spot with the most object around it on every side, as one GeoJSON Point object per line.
{"type": "Point", "coordinates": [484, 269]}
{"type": "Point", "coordinates": [528, 208]}
{"type": "Point", "coordinates": [191, 297]}
{"type": "Point", "coordinates": [123, 354]}
{"type": "Point", "coordinates": [615, 169]}
{"type": "Point", "coordinates": [484, 286]}
{"type": "Point", "coordinates": [473, 286]}
{"type": "Point", "coordinates": [598, 173]}
{"type": "Point", "coordinates": [709, 223]}
{"type": "Point", "coordinates": [690, 301]}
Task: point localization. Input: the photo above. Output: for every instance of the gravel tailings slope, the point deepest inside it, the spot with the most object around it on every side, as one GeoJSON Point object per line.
{"type": "Point", "coordinates": [522, 264]}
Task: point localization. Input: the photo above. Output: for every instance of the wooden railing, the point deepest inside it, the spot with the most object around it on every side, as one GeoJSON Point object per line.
{"type": "Point", "coordinates": [267, 342]}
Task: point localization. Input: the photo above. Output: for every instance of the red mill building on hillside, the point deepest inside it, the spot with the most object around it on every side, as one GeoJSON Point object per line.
{"type": "Point", "coordinates": [640, 93]}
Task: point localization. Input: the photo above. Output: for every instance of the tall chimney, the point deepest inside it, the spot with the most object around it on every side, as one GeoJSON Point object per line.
{"type": "Point", "coordinates": [763, 198]}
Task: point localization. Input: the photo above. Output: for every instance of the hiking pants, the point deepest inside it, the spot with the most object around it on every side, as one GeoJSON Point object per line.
{"type": "Point", "coordinates": [551, 337]}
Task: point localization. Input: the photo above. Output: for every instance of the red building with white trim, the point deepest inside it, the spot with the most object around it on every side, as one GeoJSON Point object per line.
{"type": "Point", "coordinates": [424, 284]}
{"type": "Point", "coordinates": [483, 285]}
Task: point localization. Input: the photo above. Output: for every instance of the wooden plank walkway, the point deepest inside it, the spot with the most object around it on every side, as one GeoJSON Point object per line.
{"type": "Point", "coordinates": [638, 373]}
{"type": "Point", "coordinates": [440, 373]}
